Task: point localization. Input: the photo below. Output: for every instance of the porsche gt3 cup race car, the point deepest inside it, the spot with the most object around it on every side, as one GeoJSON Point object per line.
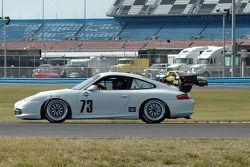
{"type": "Point", "coordinates": [110, 95]}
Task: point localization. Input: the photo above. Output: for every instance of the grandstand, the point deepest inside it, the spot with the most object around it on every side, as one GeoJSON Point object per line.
{"type": "Point", "coordinates": [148, 28]}
{"type": "Point", "coordinates": [125, 8]}
{"type": "Point", "coordinates": [138, 20]}
{"type": "Point", "coordinates": [79, 34]}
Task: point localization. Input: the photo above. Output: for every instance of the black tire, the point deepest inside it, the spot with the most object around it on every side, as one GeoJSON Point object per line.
{"type": "Point", "coordinates": [206, 74]}
{"type": "Point", "coordinates": [162, 80]}
{"type": "Point", "coordinates": [56, 111]}
{"type": "Point", "coordinates": [153, 111]}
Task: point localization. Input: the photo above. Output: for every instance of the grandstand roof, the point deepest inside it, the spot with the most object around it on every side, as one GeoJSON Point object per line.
{"type": "Point", "coordinates": [126, 8]}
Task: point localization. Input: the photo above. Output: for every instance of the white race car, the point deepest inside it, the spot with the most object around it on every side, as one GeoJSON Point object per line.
{"type": "Point", "coordinates": [108, 95]}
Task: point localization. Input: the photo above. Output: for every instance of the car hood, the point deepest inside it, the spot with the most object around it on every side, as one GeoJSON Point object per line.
{"type": "Point", "coordinates": [174, 65]}
{"type": "Point", "coordinates": [43, 96]}
{"type": "Point", "coordinates": [55, 92]}
{"type": "Point", "coordinates": [197, 65]}
{"type": "Point", "coordinates": [151, 69]}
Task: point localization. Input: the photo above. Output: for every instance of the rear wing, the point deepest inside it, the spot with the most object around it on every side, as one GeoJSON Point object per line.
{"type": "Point", "coordinates": [187, 82]}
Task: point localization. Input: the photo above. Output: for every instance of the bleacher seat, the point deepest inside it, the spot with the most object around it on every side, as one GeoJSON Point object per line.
{"type": "Point", "coordinates": [175, 31]}
{"type": "Point", "coordinates": [21, 30]}
{"type": "Point", "coordinates": [105, 29]}
{"type": "Point", "coordinates": [58, 31]}
{"type": "Point", "coordinates": [214, 31]}
{"type": "Point", "coordinates": [136, 28]}
{"type": "Point", "coordinates": [140, 31]}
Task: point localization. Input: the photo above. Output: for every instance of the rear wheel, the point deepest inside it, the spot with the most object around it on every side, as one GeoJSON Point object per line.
{"type": "Point", "coordinates": [153, 111]}
{"type": "Point", "coordinates": [56, 111]}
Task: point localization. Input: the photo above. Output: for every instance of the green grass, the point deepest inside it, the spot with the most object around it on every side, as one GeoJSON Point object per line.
{"type": "Point", "coordinates": [211, 104]}
{"type": "Point", "coordinates": [221, 105]}
{"type": "Point", "coordinates": [11, 94]}
{"type": "Point", "coordinates": [56, 152]}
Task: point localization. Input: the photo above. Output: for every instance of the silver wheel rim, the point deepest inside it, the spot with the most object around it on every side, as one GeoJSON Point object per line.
{"type": "Point", "coordinates": [154, 110]}
{"type": "Point", "coordinates": [57, 110]}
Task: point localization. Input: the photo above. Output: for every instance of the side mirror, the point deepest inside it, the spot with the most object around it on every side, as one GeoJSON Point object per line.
{"type": "Point", "coordinates": [92, 88]}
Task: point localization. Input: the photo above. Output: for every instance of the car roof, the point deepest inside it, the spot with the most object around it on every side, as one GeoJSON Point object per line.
{"type": "Point", "coordinates": [121, 74]}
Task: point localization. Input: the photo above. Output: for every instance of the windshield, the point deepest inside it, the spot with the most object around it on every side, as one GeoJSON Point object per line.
{"type": "Point", "coordinates": [86, 82]}
{"type": "Point", "coordinates": [156, 66]}
{"type": "Point", "coordinates": [124, 62]}
{"type": "Point", "coordinates": [185, 51]}
{"type": "Point", "coordinates": [181, 61]}
{"type": "Point", "coordinates": [203, 61]}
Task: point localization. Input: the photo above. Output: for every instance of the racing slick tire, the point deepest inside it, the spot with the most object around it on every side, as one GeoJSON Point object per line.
{"type": "Point", "coordinates": [56, 111]}
{"type": "Point", "coordinates": [153, 111]}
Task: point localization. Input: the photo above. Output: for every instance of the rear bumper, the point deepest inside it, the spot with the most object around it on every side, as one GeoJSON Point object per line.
{"type": "Point", "coordinates": [181, 108]}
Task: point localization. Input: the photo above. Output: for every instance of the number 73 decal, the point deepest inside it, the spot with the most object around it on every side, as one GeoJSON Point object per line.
{"type": "Point", "coordinates": [87, 105]}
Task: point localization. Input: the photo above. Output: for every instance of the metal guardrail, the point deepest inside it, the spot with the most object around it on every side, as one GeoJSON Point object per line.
{"type": "Point", "coordinates": [213, 81]}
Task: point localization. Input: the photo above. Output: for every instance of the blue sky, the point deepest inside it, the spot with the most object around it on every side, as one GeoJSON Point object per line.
{"type": "Point", "coordinates": [32, 9]}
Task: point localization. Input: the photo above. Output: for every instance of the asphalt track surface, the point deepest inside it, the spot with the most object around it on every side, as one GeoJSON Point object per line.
{"type": "Point", "coordinates": [127, 130]}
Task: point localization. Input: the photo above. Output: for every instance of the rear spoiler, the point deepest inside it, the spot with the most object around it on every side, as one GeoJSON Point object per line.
{"type": "Point", "coordinates": [187, 82]}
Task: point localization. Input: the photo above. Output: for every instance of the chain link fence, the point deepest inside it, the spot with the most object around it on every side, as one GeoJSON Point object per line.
{"type": "Point", "coordinates": [85, 72]}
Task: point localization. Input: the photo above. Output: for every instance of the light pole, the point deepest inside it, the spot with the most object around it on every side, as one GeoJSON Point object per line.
{"type": "Point", "coordinates": [225, 13]}
{"type": "Point", "coordinates": [6, 21]}
{"type": "Point", "coordinates": [85, 9]}
{"type": "Point", "coordinates": [43, 31]}
{"type": "Point", "coordinates": [43, 10]}
{"type": "Point", "coordinates": [5, 50]}
{"type": "Point", "coordinates": [2, 8]}
{"type": "Point", "coordinates": [84, 17]}
{"type": "Point", "coordinates": [234, 51]}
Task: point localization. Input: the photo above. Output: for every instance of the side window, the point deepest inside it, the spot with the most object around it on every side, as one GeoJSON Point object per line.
{"type": "Point", "coordinates": [139, 84]}
{"type": "Point", "coordinates": [113, 83]}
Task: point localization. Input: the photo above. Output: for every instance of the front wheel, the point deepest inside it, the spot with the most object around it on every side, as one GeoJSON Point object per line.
{"type": "Point", "coordinates": [56, 111]}
{"type": "Point", "coordinates": [153, 111]}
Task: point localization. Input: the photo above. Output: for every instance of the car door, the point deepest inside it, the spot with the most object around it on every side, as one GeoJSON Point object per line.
{"type": "Point", "coordinates": [103, 102]}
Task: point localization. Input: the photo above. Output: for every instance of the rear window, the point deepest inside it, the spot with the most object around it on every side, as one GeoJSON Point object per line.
{"type": "Point", "coordinates": [139, 84]}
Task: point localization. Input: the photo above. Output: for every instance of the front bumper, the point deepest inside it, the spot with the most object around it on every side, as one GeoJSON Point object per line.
{"type": "Point", "coordinates": [29, 110]}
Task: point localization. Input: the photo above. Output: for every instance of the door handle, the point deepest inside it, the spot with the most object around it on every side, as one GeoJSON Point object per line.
{"type": "Point", "coordinates": [86, 94]}
{"type": "Point", "coordinates": [124, 96]}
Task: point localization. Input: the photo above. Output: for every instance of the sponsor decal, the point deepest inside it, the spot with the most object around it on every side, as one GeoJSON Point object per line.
{"type": "Point", "coordinates": [132, 109]}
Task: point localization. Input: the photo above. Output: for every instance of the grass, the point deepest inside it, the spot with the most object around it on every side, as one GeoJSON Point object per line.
{"type": "Point", "coordinates": [38, 152]}
{"type": "Point", "coordinates": [211, 104]}
{"type": "Point", "coordinates": [222, 104]}
{"type": "Point", "coordinates": [11, 94]}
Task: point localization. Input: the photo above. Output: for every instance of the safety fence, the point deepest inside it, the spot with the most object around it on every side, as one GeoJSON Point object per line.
{"type": "Point", "coordinates": [212, 81]}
